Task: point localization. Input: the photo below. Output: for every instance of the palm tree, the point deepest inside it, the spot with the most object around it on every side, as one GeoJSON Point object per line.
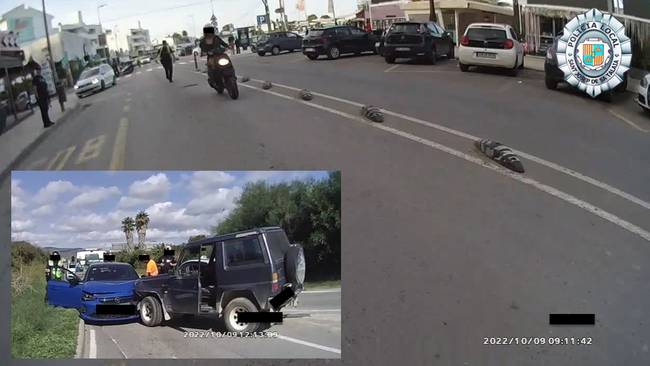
{"type": "Point", "coordinates": [127, 227]}
{"type": "Point", "coordinates": [141, 223]}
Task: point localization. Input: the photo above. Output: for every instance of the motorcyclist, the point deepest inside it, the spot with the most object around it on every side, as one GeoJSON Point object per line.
{"type": "Point", "coordinates": [212, 45]}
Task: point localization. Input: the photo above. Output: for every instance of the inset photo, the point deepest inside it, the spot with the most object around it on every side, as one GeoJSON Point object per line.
{"type": "Point", "coordinates": [176, 264]}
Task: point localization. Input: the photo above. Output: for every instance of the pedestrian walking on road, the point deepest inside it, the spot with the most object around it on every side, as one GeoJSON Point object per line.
{"type": "Point", "coordinates": [42, 97]}
{"type": "Point", "coordinates": [238, 45]}
{"type": "Point", "coordinates": [231, 44]}
{"type": "Point", "coordinates": [166, 59]}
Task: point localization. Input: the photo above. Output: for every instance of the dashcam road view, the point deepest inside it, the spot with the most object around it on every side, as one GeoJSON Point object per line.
{"type": "Point", "coordinates": [495, 159]}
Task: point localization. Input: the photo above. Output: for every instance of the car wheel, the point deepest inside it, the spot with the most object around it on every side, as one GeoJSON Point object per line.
{"type": "Point", "coordinates": [312, 57]}
{"type": "Point", "coordinates": [275, 51]}
{"type": "Point", "coordinates": [103, 86]}
{"type": "Point", "coordinates": [261, 53]}
{"type": "Point", "coordinates": [390, 59]}
{"type": "Point", "coordinates": [150, 311]}
{"type": "Point", "coordinates": [238, 305]}
{"type": "Point", "coordinates": [333, 53]}
{"type": "Point", "coordinates": [463, 67]}
{"type": "Point", "coordinates": [294, 263]}
{"type": "Point", "coordinates": [550, 83]}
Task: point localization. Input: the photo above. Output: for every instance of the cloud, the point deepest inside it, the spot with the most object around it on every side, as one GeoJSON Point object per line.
{"type": "Point", "coordinates": [131, 202]}
{"type": "Point", "coordinates": [94, 196]}
{"type": "Point", "coordinates": [155, 187]}
{"type": "Point", "coordinates": [21, 225]}
{"type": "Point", "coordinates": [44, 210]}
{"type": "Point", "coordinates": [208, 181]}
{"type": "Point", "coordinates": [53, 190]}
{"type": "Point", "coordinates": [17, 196]}
{"type": "Point", "coordinates": [86, 223]}
{"type": "Point", "coordinates": [221, 200]}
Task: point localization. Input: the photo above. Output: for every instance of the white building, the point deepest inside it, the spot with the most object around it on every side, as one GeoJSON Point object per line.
{"type": "Point", "coordinates": [90, 32]}
{"type": "Point", "coordinates": [117, 41]}
{"type": "Point", "coordinates": [139, 41]}
{"type": "Point", "coordinates": [27, 22]}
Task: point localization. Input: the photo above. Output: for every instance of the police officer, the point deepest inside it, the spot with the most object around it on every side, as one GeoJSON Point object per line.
{"type": "Point", "coordinates": [167, 261]}
{"type": "Point", "coordinates": [43, 97]}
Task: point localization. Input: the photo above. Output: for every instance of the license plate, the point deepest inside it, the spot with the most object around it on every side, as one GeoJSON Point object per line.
{"type": "Point", "coordinates": [486, 55]}
{"type": "Point", "coordinates": [310, 50]}
{"type": "Point", "coordinates": [402, 49]}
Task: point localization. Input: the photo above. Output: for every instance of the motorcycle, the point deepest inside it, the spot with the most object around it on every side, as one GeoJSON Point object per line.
{"type": "Point", "coordinates": [221, 74]}
{"type": "Point", "coordinates": [126, 68]}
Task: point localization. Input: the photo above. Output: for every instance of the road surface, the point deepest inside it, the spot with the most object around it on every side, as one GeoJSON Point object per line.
{"type": "Point", "coordinates": [441, 247]}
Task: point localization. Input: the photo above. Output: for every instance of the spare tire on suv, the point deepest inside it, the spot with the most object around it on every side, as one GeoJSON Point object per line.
{"type": "Point", "coordinates": [294, 266]}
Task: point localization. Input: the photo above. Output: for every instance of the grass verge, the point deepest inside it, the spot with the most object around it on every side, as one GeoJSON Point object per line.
{"type": "Point", "coordinates": [37, 329]}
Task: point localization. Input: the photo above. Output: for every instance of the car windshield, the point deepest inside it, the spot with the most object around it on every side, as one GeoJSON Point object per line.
{"type": "Point", "coordinates": [486, 34]}
{"type": "Point", "coordinates": [89, 73]}
{"type": "Point", "coordinates": [405, 28]}
{"type": "Point", "coordinates": [263, 38]}
{"type": "Point", "coordinates": [108, 272]}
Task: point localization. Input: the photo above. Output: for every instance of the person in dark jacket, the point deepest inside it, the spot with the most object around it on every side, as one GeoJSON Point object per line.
{"type": "Point", "coordinates": [42, 97]}
{"type": "Point", "coordinates": [238, 45]}
{"type": "Point", "coordinates": [166, 59]}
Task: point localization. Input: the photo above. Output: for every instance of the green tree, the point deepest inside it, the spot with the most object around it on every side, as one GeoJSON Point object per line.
{"type": "Point", "coordinates": [325, 16]}
{"type": "Point", "coordinates": [312, 18]}
{"type": "Point", "coordinates": [308, 211]}
{"type": "Point", "coordinates": [196, 238]}
{"type": "Point", "coordinates": [184, 33]}
{"type": "Point", "coordinates": [128, 225]}
{"type": "Point", "coordinates": [141, 225]}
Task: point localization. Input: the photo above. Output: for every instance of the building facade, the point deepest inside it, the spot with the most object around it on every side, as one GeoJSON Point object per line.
{"type": "Point", "coordinates": [90, 32]}
{"type": "Point", "coordinates": [27, 22]}
{"type": "Point", "coordinates": [139, 41]}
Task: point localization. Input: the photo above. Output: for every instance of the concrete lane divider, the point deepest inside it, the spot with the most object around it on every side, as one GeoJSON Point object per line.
{"type": "Point", "coordinates": [372, 113]}
{"type": "Point", "coordinates": [566, 197]}
{"type": "Point", "coordinates": [500, 153]}
{"type": "Point", "coordinates": [549, 164]}
{"type": "Point", "coordinates": [306, 95]}
{"type": "Point", "coordinates": [267, 85]}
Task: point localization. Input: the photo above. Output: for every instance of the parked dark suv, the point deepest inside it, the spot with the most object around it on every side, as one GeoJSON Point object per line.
{"type": "Point", "coordinates": [336, 41]}
{"type": "Point", "coordinates": [553, 75]}
{"type": "Point", "coordinates": [425, 41]}
{"type": "Point", "coordinates": [277, 42]}
{"type": "Point", "coordinates": [224, 275]}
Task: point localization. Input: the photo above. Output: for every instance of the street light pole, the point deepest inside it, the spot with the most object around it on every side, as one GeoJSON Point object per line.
{"type": "Point", "coordinates": [55, 77]}
{"type": "Point", "coordinates": [99, 19]}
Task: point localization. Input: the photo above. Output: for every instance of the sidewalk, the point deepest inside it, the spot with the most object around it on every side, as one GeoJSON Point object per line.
{"type": "Point", "coordinates": [29, 132]}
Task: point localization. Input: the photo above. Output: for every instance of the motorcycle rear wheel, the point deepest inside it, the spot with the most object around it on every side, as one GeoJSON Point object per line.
{"type": "Point", "coordinates": [233, 90]}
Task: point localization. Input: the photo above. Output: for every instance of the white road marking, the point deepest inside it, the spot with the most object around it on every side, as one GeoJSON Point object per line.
{"type": "Point", "coordinates": [390, 69]}
{"type": "Point", "coordinates": [119, 148]}
{"type": "Point", "coordinates": [138, 72]}
{"type": "Point", "coordinates": [536, 159]}
{"type": "Point", "coordinates": [149, 69]}
{"type": "Point", "coordinates": [322, 291]}
{"type": "Point", "coordinates": [309, 344]}
{"type": "Point", "coordinates": [159, 67]}
{"type": "Point", "coordinates": [92, 349]}
{"type": "Point", "coordinates": [127, 108]}
{"type": "Point", "coordinates": [128, 76]}
{"type": "Point", "coordinates": [182, 63]}
{"type": "Point", "coordinates": [498, 169]}
{"type": "Point", "coordinates": [116, 344]}
{"type": "Point", "coordinates": [629, 122]}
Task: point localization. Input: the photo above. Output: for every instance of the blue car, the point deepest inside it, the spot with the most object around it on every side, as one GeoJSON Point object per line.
{"type": "Point", "coordinates": [104, 295]}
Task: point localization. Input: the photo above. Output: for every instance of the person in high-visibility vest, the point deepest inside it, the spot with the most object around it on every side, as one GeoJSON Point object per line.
{"type": "Point", "coordinates": [152, 268]}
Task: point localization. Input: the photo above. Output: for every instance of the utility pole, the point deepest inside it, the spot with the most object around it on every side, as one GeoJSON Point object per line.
{"type": "Point", "coordinates": [99, 19]}
{"type": "Point", "coordinates": [432, 11]}
{"type": "Point", "coordinates": [268, 15]}
{"type": "Point", "coordinates": [55, 77]}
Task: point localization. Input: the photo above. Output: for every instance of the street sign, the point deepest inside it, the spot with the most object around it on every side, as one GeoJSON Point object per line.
{"type": "Point", "coordinates": [261, 19]}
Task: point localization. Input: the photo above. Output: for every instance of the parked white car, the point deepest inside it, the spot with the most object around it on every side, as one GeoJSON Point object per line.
{"type": "Point", "coordinates": [491, 45]}
{"type": "Point", "coordinates": [94, 79]}
{"type": "Point", "coordinates": [644, 93]}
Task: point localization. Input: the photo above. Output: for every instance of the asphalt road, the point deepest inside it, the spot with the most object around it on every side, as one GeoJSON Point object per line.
{"type": "Point", "coordinates": [311, 330]}
{"type": "Point", "coordinates": [441, 247]}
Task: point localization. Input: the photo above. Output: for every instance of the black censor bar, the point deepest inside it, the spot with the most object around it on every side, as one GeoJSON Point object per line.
{"type": "Point", "coordinates": [143, 257]}
{"type": "Point", "coordinates": [284, 296]}
{"type": "Point", "coordinates": [259, 317]}
{"type": "Point", "coordinates": [55, 257]}
{"type": "Point", "coordinates": [572, 319]}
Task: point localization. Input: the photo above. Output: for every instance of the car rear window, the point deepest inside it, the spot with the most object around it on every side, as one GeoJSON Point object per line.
{"type": "Point", "coordinates": [316, 32]}
{"type": "Point", "coordinates": [244, 251]}
{"type": "Point", "coordinates": [486, 34]}
{"type": "Point", "coordinates": [278, 243]}
{"type": "Point", "coordinates": [406, 28]}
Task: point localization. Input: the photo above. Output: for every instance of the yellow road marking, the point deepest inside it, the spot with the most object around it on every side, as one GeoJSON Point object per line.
{"type": "Point", "coordinates": [127, 108]}
{"type": "Point", "coordinates": [128, 100]}
{"type": "Point", "coordinates": [119, 148]}
{"type": "Point", "coordinates": [628, 121]}
{"type": "Point", "coordinates": [58, 162]}
{"type": "Point", "coordinates": [390, 69]}
{"type": "Point", "coordinates": [91, 149]}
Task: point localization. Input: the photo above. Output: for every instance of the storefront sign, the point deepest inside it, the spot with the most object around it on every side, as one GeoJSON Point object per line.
{"type": "Point", "coordinates": [594, 53]}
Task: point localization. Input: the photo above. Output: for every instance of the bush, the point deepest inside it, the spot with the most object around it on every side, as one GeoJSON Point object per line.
{"type": "Point", "coordinates": [23, 253]}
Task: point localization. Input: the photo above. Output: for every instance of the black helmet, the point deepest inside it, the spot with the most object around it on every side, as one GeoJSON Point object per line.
{"type": "Point", "coordinates": [208, 29]}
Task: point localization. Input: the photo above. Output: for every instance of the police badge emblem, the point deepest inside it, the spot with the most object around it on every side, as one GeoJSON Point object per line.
{"type": "Point", "coordinates": [594, 53]}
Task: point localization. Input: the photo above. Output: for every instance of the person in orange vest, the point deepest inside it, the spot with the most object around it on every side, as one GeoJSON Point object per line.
{"type": "Point", "coordinates": [152, 268]}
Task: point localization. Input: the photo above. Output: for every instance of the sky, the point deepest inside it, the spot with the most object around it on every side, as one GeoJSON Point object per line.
{"type": "Point", "coordinates": [85, 209]}
{"type": "Point", "coordinates": [163, 17]}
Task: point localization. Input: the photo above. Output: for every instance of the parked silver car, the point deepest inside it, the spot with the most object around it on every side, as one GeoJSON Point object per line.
{"type": "Point", "coordinates": [94, 79]}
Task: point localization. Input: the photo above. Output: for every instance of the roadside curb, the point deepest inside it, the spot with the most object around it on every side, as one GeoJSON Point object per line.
{"type": "Point", "coordinates": [80, 340]}
{"type": "Point", "coordinates": [30, 148]}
